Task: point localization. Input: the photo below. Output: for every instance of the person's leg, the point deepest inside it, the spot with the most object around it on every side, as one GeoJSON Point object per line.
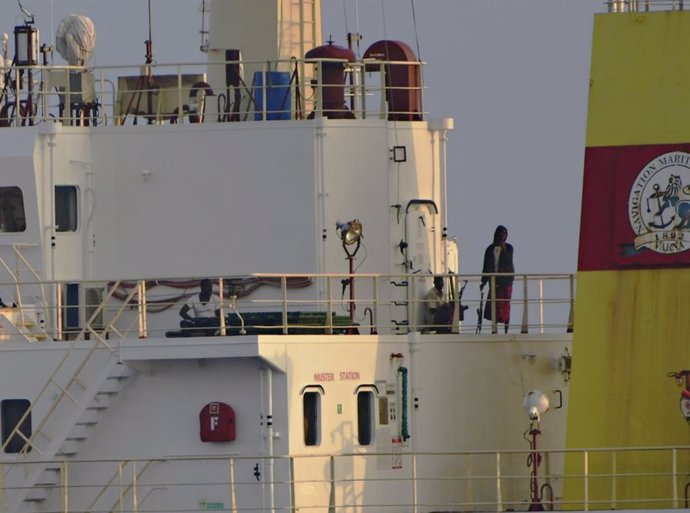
{"type": "Point", "coordinates": [209, 325]}
{"type": "Point", "coordinates": [503, 295]}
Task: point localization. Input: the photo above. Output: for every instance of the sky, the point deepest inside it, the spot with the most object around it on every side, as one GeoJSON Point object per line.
{"type": "Point", "coordinates": [513, 74]}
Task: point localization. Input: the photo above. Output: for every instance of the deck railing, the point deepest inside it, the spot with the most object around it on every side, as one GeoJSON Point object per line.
{"type": "Point", "coordinates": [294, 304]}
{"type": "Point", "coordinates": [646, 5]}
{"type": "Point", "coordinates": [200, 93]}
{"type": "Point", "coordinates": [653, 478]}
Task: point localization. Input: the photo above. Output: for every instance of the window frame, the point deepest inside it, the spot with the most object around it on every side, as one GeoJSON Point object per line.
{"type": "Point", "coordinates": [366, 414]}
{"type": "Point", "coordinates": [10, 203]}
{"type": "Point", "coordinates": [312, 415]}
{"type": "Point", "coordinates": [16, 443]}
{"type": "Point", "coordinates": [69, 208]}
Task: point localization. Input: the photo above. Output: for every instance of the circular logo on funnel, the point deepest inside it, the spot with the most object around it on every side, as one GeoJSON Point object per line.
{"type": "Point", "coordinates": [659, 204]}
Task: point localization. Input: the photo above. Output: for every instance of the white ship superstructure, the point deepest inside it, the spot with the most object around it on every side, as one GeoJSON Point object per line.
{"type": "Point", "coordinates": [309, 186]}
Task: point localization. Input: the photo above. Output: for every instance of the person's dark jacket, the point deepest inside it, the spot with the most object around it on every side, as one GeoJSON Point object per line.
{"type": "Point", "coordinates": [505, 265]}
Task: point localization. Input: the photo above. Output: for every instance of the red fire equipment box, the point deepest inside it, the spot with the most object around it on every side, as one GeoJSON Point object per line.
{"type": "Point", "coordinates": [217, 423]}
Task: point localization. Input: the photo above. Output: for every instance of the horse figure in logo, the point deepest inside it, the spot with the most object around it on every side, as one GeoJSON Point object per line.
{"type": "Point", "coordinates": [675, 196]}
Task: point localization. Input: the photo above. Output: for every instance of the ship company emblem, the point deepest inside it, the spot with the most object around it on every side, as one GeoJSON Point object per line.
{"type": "Point", "coordinates": [659, 204]}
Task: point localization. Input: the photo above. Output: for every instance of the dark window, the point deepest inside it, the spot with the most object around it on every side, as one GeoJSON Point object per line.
{"type": "Point", "coordinates": [66, 208]}
{"type": "Point", "coordinates": [312, 418]}
{"type": "Point", "coordinates": [72, 306]}
{"type": "Point", "coordinates": [11, 411]}
{"type": "Point", "coordinates": [365, 417]}
{"type": "Point", "coordinates": [12, 216]}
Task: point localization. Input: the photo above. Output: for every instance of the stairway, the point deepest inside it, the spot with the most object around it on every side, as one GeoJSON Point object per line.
{"type": "Point", "coordinates": [66, 429]}
{"type": "Point", "coordinates": [15, 322]}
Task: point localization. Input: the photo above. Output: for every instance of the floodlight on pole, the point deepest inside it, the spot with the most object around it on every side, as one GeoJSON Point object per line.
{"type": "Point", "coordinates": [535, 403]}
{"type": "Point", "coordinates": [350, 234]}
{"type": "Point", "coordinates": [683, 380]}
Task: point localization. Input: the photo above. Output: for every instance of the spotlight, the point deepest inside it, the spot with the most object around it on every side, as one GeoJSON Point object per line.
{"type": "Point", "coordinates": [350, 232]}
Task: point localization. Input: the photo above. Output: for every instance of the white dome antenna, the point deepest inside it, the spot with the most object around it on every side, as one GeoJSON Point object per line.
{"type": "Point", "coordinates": [75, 39]}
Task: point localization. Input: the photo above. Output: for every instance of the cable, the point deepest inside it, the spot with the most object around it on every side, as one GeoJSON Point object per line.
{"type": "Point", "coordinates": [347, 28]}
{"type": "Point", "coordinates": [416, 35]}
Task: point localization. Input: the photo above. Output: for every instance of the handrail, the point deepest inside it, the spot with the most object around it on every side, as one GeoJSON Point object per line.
{"type": "Point", "coordinates": [438, 480]}
{"type": "Point", "coordinates": [620, 6]}
{"type": "Point", "coordinates": [17, 251]}
{"type": "Point", "coordinates": [19, 257]}
{"type": "Point", "coordinates": [64, 389]}
{"type": "Point", "coordinates": [98, 101]}
{"type": "Point", "coordinates": [309, 304]}
{"type": "Point", "coordinates": [15, 281]}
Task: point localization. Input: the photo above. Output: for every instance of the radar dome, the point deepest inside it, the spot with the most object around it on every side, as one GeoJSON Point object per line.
{"type": "Point", "coordinates": [75, 39]}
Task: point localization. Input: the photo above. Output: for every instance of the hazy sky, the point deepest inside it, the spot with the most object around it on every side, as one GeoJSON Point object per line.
{"type": "Point", "coordinates": [512, 73]}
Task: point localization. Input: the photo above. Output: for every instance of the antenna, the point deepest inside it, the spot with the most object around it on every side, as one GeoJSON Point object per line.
{"type": "Point", "coordinates": [149, 41]}
{"type": "Point", "coordinates": [28, 17]}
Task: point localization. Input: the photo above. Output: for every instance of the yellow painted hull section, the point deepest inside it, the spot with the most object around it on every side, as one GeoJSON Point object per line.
{"type": "Point", "coordinates": [639, 79]}
{"type": "Point", "coordinates": [631, 329]}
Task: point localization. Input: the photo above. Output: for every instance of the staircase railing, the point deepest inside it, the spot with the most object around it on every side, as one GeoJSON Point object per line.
{"type": "Point", "coordinates": [64, 389]}
{"type": "Point", "coordinates": [14, 275]}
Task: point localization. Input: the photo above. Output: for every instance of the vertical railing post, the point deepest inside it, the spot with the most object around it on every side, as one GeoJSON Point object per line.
{"type": "Point", "coordinates": [412, 303]}
{"type": "Point", "coordinates": [101, 94]}
{"type": "Point", "coordinates": [291, 478]}
{"type": "Point", "coordinates": [121, 488]}
{"type": "Point", "coordinates": [58, 311]}
{"type": "Point", "coordinates": [329, 307]}
{"type": "Point", "coordinates": [674, 475]}
{"type": "Point", "coordinates": [233, 497]}
{"type": "Point", "coordinates": [499, 493]}
{"type": "Point", "coordinates": [331, 500]}
{"type": "Point", "coordinates": [525, 305]}
{"type": "Point", "coordinates": [221, 291]}
{"type": "Point", "coordinates": [571, 314]}
{"type": "Point", "coordinates": [319, 90]}
{"type": "Point", "coordinates": [363, 93]}
{"type": "Point", "coordinates": [614, 480]}
{"type": "Point", "coordinates": [382, 74]}
{"type": "Point", "coordinates": [469, 481]}
{"type": "Point", "coordinates": [283, 289]}
{"type": "Point", "coordinates": [135, 499]}
{"type": "Point", "coordinates": [65, 486]}
{"type": "Point", "coordinates": [375, 315]}
{"type": "Point", "coordinates": [415, 493]}
{"type": "Point", "coordinates": [455, 321]}
{"type": "Point", "coordinates": [141, 308]}
{"type": "Point", "coordinates": [585, 474]}
{"type": "Point", "coordinates": [180, 107]}
{"type": "Point", "coordinates": [541, 306]}
{"type": "Point", "coordinates": [264, 87]}
{"type": "Point", "coordinates": [494, 299]}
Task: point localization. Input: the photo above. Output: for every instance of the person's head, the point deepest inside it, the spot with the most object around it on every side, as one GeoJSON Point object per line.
{"type": "Point", "coordinates": [501, 234]}
{"type": "Point", "coordinates": [206, 286]}
{"type": "Point", "coordinates": [438, 282]}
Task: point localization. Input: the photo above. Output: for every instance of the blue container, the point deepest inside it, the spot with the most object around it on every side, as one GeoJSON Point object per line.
{"type": "Point", "coordinates": [278, 96]}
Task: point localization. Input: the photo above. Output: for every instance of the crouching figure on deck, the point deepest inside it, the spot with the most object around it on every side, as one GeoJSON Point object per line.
{"type": "Point", "coordinates": [206, 309]}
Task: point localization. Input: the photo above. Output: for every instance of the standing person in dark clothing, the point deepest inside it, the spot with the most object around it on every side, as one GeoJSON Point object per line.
{"type": "Point", "coordinates": [498, 258]}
